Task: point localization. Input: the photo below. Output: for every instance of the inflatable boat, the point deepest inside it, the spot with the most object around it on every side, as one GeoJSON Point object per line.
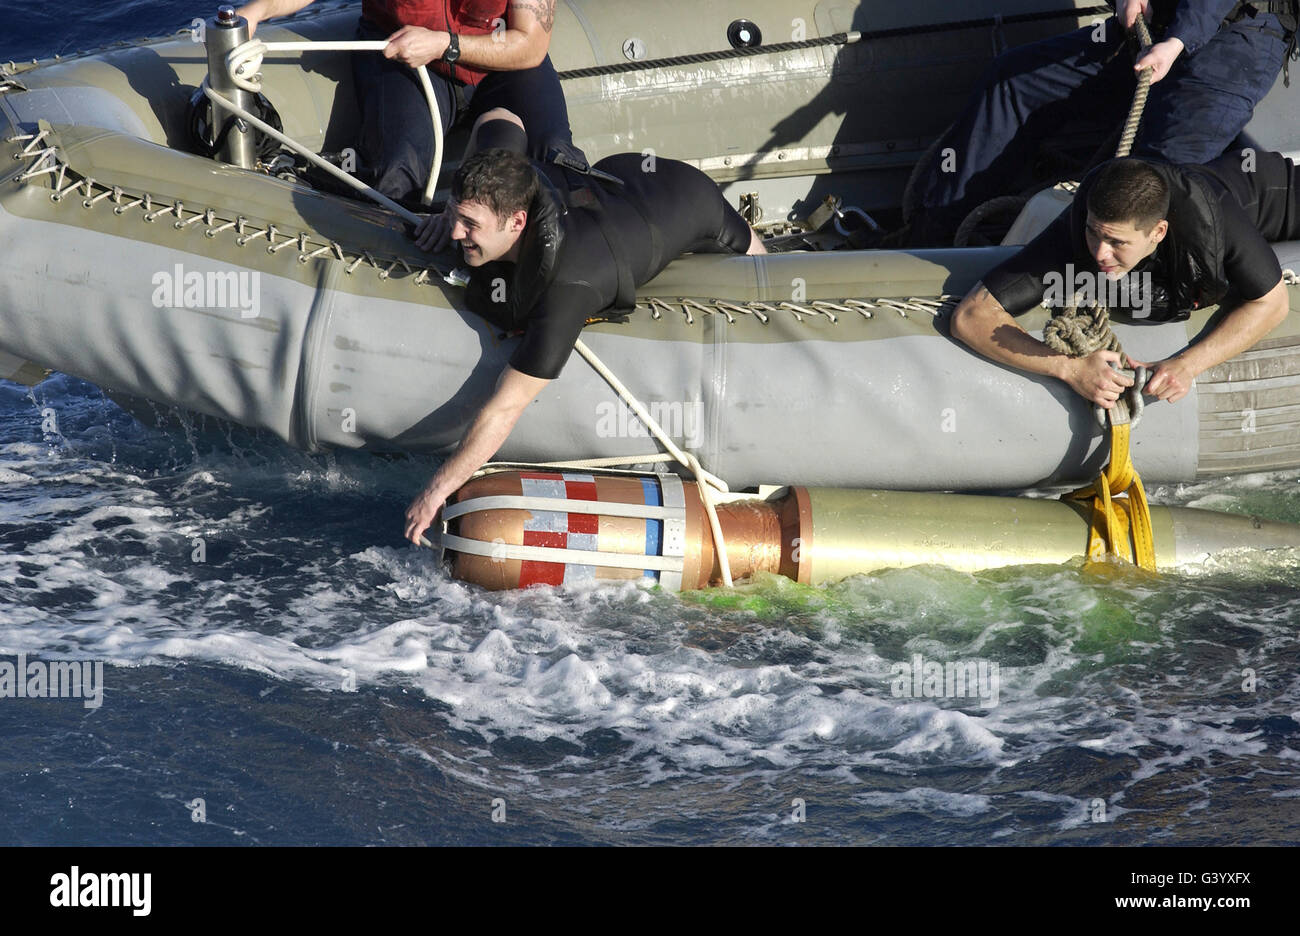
{"type": "Point", "coordinates": [159, 273]}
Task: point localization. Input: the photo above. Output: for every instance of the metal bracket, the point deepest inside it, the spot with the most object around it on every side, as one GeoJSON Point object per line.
{"type": "Point", "coordinates": [1128, 408]}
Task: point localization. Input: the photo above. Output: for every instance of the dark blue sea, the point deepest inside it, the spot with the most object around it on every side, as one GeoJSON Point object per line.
{"type": "Point", "coordinates": [315, 681]}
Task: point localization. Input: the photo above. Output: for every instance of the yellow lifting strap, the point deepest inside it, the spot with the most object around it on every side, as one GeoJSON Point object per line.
{"type": "Point", "coordinates": [1120, 513]}
{"type": "Point", "coordinates": [1121, 518]}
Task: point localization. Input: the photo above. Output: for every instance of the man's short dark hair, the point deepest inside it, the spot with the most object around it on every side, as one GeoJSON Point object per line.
{"type": "Point", "coordinates": [499, 178]}
{"type": "Point", "coordinates": [1129, 190]}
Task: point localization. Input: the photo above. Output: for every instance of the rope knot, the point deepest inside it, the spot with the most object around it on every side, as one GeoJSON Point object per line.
{"type": "Point", "coordinates": [1080, 330]}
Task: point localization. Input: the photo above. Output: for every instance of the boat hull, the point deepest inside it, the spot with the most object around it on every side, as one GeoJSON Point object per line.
{"type": "Point", "coordinates": [333, 330]}
{"type": "Point", "coordinates": [353, 360]}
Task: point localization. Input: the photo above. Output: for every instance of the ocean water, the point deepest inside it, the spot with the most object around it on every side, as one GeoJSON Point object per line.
{"type": "Point", "coordinates": [279, 664]}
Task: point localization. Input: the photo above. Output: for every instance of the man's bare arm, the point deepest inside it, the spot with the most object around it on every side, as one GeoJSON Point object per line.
{"type": "Point", "coordinates": [260, 10]}
{"type": "Point", "coordinates": [522, 43]}
{"type": "Point", "coordinates": [980, 322]}
{"type": "Point", "coordinates": [489, 431]}
{"type": "Point", "coordinates": [1240, 329]}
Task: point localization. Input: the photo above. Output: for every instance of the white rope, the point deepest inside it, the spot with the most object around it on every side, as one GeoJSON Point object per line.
{"type": "Point", "coordinates": [329, 167]}
{"type": "Point", "coordinates": [39, 170]}
{"type": "Point", "coordinates": [612, 461]}
{"type": "Point", "coordinates": [562, 505]}
{"type": "Point", "coordinates": [35, 141]}
{"type": "Point", "coordinates": [555, 554]}
{"type": "Point", "coordinates": [705, 481]}
{"type": "Point", "coordinates": [245, 60]}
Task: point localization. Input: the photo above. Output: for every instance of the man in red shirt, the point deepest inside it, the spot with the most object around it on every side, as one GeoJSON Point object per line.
{"type": "Point", "coordinates": [482, 54]}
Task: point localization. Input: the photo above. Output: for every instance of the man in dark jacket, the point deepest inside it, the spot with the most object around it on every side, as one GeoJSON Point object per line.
{"type": "Point", "coordinates": [1212, 62]}
{"type": "Point", "coordinates": [545, 260]}
{"type": "Point", "coordinates": [1176, 237]}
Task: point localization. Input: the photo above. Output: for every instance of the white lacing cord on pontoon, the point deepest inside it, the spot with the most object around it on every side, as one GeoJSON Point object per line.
{"type": "Point", "coordinates": [42, 149]}
{"type": "Point", "coordinates": [243, 63]}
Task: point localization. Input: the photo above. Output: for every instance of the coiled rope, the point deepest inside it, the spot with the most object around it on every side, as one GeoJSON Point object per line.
{"type": "Point", "coordinates": [994, 206]}
{"type": "Point", "coordinates": [1080, 330]}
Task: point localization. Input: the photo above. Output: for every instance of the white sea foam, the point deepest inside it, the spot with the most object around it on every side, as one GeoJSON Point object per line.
{"type": "Point", "coordinates": [928, 800]}
{"type": "Point", "coordinates": [691, 690]}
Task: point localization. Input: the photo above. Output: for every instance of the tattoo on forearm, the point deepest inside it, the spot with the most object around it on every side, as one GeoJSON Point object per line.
{"type": "Point", "coordinates": [543, 10]}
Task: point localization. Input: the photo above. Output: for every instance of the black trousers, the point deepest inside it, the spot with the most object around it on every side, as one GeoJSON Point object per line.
{"type": "Point", "coordinates": [1266, 185]}
{"type": "Point", "coordinates": [397, 133]}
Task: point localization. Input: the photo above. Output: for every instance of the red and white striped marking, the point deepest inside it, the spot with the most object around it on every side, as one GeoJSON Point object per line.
{"type": "Point", "coordinates": [557, 529]}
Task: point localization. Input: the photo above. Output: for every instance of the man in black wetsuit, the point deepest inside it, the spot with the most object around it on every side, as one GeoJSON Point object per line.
{"type": "Point", "coordinates": [1193, 233]}
{"type": "Point", "coordinates": [545, 271]}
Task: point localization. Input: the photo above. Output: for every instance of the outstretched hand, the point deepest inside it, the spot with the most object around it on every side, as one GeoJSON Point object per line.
{"type": "Point", "coordinates": [421, 514]}
{"type": "Point", "coordinates": [1094, 379]}
{"type": "Point", "coordinates": [1170, 379]}
{"type": "Point", "coordinates": [433, 233]}
{"type": "Point", "coordinates": [489, 431]}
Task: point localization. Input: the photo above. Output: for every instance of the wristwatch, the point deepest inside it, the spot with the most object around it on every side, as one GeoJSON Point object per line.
{"type": "Point", "coordinates": [452, 55]}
